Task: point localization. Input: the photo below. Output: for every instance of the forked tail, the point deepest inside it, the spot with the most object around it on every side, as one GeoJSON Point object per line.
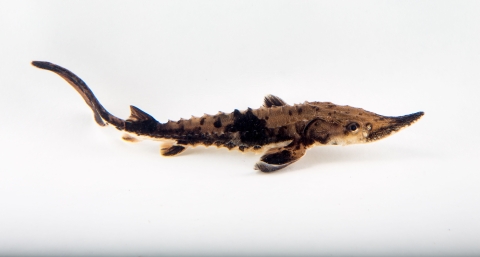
{"type": "Point", "coordinates": [102, 116]}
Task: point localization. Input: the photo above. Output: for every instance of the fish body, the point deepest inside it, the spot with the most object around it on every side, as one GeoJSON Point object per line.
{"type": "Point", "coordinates": [284, 132]}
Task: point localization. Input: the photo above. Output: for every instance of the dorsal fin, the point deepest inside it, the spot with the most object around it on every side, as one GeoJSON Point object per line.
{"type": "Point", "coordinates": [271, 100]}
{"type": "Point", "coordinates": [139, 115]}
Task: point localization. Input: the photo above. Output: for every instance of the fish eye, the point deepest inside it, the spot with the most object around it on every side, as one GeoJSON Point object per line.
{"type": "Point", "coordinates": [353, 127]}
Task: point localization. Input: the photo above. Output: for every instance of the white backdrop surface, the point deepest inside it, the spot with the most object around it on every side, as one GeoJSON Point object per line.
{"type": "Point", "coordinates": [70, 187]}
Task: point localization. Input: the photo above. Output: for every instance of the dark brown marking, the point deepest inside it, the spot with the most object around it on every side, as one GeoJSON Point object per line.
{"type": "Point", "coordinates": [230, 145]}
{"type": "Point", "coordinates": [252, 129]}
{"type": "Point", "coordinates": [323, 139]}
{"type": "Point", "coordinates": [290, 112]}
{"type": "Point", "coordinates": [299, 110]}
{"type": "Point", "coordinates": [217, 123]}
{"type": "Point", "coordinates": [142, 127]}
{"type": "Point", "coordinates": [282, 133]}
{"type": "Point", "coordinates": [202, 120]}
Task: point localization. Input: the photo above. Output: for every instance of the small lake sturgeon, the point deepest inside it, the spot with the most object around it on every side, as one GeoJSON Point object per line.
{"type": "Point", "coordinates": [283, 132]}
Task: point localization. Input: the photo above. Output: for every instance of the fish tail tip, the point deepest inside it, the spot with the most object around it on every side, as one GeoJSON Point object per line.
{"type": "Point", "coordinates": [40, 64]}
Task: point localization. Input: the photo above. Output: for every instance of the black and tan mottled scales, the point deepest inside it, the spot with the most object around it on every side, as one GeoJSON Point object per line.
{"type": "Point", "coordinates": [284, 131]}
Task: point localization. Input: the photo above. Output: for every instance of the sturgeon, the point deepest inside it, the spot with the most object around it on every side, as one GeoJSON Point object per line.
{"type": "Point", "coordinates": [282, 132]}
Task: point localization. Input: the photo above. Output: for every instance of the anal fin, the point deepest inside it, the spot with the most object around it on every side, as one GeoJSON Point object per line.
{"type": "Point", "coordinates": [279, 158]}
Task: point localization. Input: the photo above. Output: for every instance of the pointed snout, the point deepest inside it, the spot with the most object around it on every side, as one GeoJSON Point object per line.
{"type": "Point", "coordinates": [406, 120]}
{"type": "Point", "coordinates": [393, 124]}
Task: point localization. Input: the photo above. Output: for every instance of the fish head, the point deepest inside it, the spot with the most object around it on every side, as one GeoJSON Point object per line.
{"type": "Point", "coordinates": [344, 125]}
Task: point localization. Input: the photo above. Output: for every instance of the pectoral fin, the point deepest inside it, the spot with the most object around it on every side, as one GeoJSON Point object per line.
{"type": "Point", "coordinates": [279, 158]}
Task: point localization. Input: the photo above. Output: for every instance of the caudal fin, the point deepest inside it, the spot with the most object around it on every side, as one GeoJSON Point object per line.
{"type": "Point", "coordinates": [102, 116]}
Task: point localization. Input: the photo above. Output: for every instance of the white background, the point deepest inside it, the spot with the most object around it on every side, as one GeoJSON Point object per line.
{"type": "Point", "coordinates": [70, 187]}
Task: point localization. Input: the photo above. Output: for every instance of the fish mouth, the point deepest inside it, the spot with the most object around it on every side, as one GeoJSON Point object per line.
{"type": "Point", "coordinates": [393, 124]}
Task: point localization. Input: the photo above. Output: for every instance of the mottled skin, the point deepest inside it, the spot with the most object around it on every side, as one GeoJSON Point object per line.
{"type": "Point", "coordinates": [283, 130]}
